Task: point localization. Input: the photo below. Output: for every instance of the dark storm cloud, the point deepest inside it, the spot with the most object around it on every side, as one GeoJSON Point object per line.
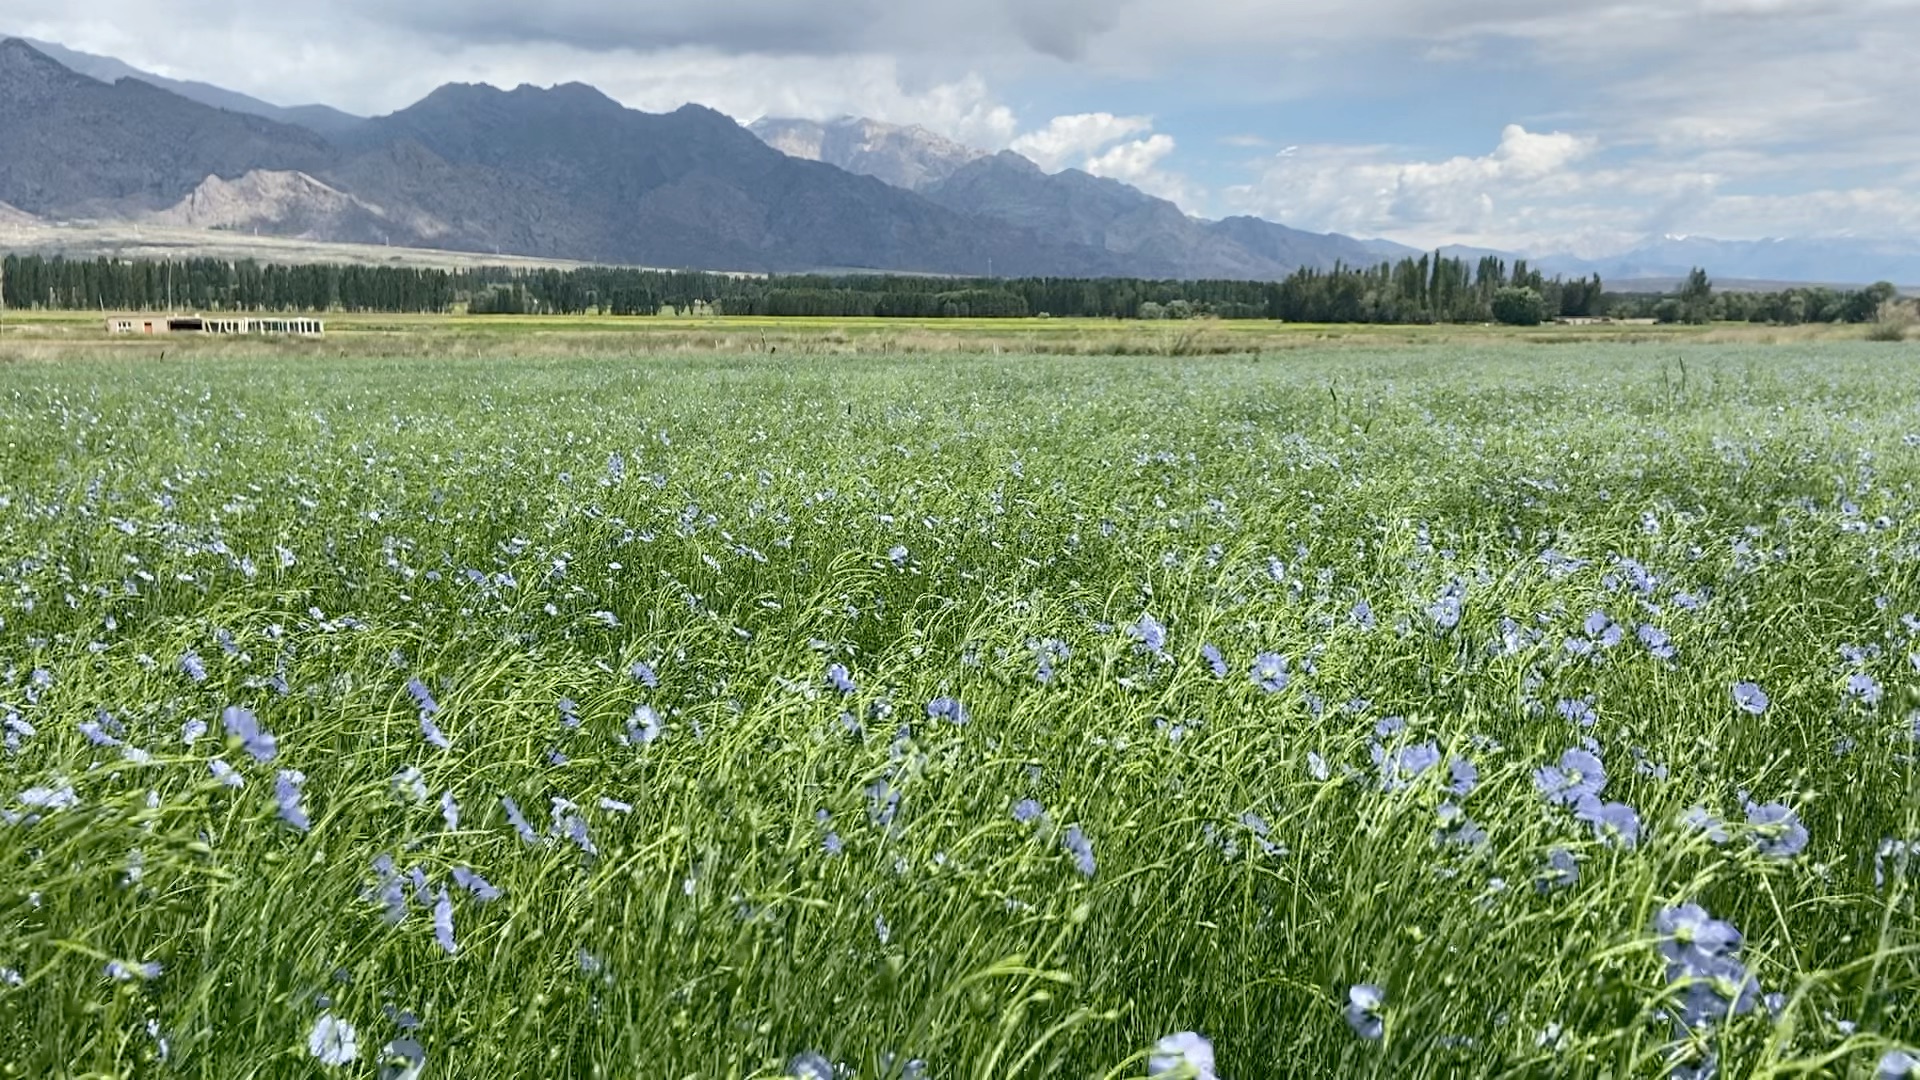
{"type": "Point", "coordinates": [1063, 28]}
{"type": "Point", "coordinates": [729, 26]}
{"type": "Point", "coordinates": [1060, 28]}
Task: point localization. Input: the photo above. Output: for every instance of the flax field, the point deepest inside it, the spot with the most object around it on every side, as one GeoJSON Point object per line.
{"type": "Point", "coordinates": [1481, 709]}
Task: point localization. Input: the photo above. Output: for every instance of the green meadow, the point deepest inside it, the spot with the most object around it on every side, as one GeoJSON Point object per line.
{"type": "Point", "coordinates": [588, 709]}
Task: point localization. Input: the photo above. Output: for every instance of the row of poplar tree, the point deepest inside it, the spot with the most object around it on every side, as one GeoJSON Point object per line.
{"type": "Point", "coordinates": [1429, 289]}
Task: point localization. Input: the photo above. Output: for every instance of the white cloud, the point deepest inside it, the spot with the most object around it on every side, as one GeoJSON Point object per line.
{"type": "Point", "coordinates": [1138, 163]}
{"type": "Point", "coordinates": [1544, 194]}
{"type": "Point", "coordinates": [1067, 140]}
{"type": "Point", "coordinates": [1102, 144]}
{"type": "Point", "coordinates": [1364, 191]}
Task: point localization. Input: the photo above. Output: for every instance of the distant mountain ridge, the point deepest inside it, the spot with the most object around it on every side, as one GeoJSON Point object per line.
{"type": "Point", "coordinates": [569, 173]}
{"type": "Point", "coordinates": [321, 118]}
{"type": "Point", "coordinates": [560, 173]}
{"type": "Point", "coordinates": [1154, 237]}
{"type": "Point", "coordinates": [1836, 261]}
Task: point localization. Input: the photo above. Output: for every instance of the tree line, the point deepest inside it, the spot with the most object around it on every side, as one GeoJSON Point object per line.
{"type": "Point", "coordinates": [1428, 289]}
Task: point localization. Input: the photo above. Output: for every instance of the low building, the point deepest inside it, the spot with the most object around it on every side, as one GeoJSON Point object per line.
{"type": "Point", "coordinates": [195, 324]}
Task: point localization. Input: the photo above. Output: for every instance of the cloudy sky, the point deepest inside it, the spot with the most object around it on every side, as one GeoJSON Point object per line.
{"type": "Point", "coordinates": [1528, 126]}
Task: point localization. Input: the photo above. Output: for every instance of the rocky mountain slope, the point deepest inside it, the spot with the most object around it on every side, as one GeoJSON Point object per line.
{"type": "Point", "coordinates": [280, 204]}
{"type": "Point", "coordinates": [75, 146]}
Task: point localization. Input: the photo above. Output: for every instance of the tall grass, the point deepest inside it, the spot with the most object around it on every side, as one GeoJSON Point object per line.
{"type": "Point", "coordinates": [621, 581]}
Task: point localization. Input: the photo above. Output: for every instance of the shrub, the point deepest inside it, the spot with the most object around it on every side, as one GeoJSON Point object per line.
{"type": "Point", "coordinates": [1893, 321]}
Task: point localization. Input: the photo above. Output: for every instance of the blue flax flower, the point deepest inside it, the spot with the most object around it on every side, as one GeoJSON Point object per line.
{"type": "Point", "coordinates": [1563, 871]}
{"type": "Point", "coordinates": [102, 730]}
{"type": "Point", "coordinates": [1081, 848]}
{"type": "Point", "coordinates": [948, 709]}
{"type": "Point", "coordinates": [243, 725]}
{"type": "Point", "coordinates": [1657, 641]}
{"type": "Point", "coordinates": [1216, 663]}
{"type": "Point", "coordinates": [431, 730]}
{"type": "Point", "coordinates": [390, 890]}
{"type": "Point", "coordinates": [518, 820]}
{"type": "Point", "coordinates": [1270, 672]}
{"type": "Point", "coordinates": [1750, 698]}
{"type": "Point", "coordinates": [402, 1059]}
{"type": "Point", "coordinates": [1399, 767]}
{"type": "Point", "coordinates": [422, 697]}
{"type": "Point", "coordinates": [1698, 819]}
{"type": "Point", "coordinates": [1614, 823]}
{"type": "Point", "coordinates": [1148, 635]}
{"type": "Point", "coordinates": [1690, 937]}
{"type": "Point", "coordinates": [1713, 990]}
{"type": "Point", "coordinates": [1463, 777]}
{"type": "Point", "coordinates": [443, 922]}
{"type": "Point", "coordinates": [839, 679]}
{"type": "Point", "coordinates": [482, 889]}
{"type": "Point", "coordinates": [568, 824]}
{"type": "Point", "coordinates": [810, 1066]}
{"type": "Point", "coordinates": [1578, 710]}
{"type": "Point", "coordinates": [1366, 1005]}
{"type": "Point", "coordinates": [1897, 1065]}
{"type": "Point", "coordinates": [1445, 612]}
{"type": "Point", "coordinates": [1579, 775]}
{"type": "Point", "coordinates": [1457, 828]}
{"type": "Point", "coordinates": [127, 971]}
{"type": "Point", "coordinates": [883, 803]}
{"type": "Point", "coordinates": [1362, 615]}
{"type": "Point", "coordinates": [286, 795]}
{"type": "Point", "coordinates": [1864, 688]}
{"type": "Point", "coordinates": [1777, 830]}
{"type": "Point", "coordinates": [1185, 1056]}
{"type": "Point", "coordinates": [332, 1041]}
{"type": "Point", "coordinates": [643, 727]}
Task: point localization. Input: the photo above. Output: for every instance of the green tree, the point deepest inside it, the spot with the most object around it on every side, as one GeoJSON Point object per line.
{"type": "Point", "coordinates": [1519, 307]}
{"type": "Point", "coordinates": [1696, 298]}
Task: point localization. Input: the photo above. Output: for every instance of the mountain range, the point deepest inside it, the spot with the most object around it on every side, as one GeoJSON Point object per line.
{"type": "Point", "coordinates": [569, 173]}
